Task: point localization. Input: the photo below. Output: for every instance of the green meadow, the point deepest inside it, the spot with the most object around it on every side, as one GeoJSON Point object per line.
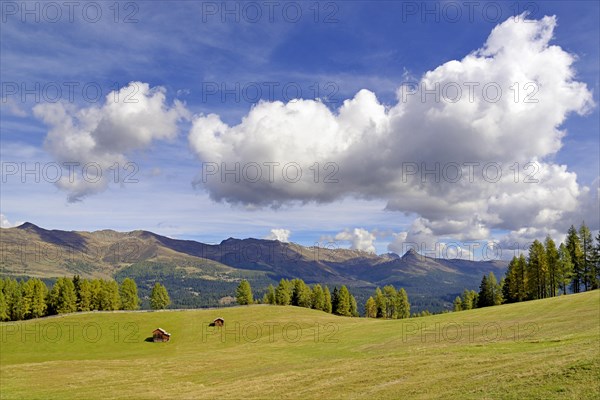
{"type": "Point", "coordinates": [541, 349]}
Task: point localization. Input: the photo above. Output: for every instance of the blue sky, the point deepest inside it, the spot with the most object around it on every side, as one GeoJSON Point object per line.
{"type": "Point", "coordinates": [330, 50]}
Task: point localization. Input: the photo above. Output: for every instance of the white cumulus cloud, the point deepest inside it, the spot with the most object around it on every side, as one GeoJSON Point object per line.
{"type": "Point", "coordinates": [359, 238]}
{"type": "Point", "coordinates": [97, 137]}
{"type": "Point", "coordinates": [463, 164]}
{"type": "Point", "coordinates": [280, 234]}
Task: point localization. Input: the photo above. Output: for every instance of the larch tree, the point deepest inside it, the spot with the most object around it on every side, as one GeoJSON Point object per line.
{"type": "Point", "coordinates": [596, 282]}
{"type": "Point", "coordinates": [457, 304]}
{"type": "Point", "coordinates": [318, 297]}
{"type": "Point", "coordinates": [495, 290]}
{"type": "Point", "coordinates": [283, 293]}
{"type": "Point", "coordinates": [159, 298]}
{"type": "Point", "coordinates": [26, 288]}
{"type": "Point", "coordinates": [327, 306]}
{"type": "Point", "coordinates": [301, 294]}
{"type": "Point", "coordinates": [13, 296]}
{"type": "Point", "coordinates": [129, 295]}
{"type": "Point", "coordinates": [243, 294]}
{"type": "Point", "coordinates": [587, 254]}
{"type": "Point", "coordinates": [498, 295]}
{"type": "Point", "coordinates": [96, 295]}
{"type": "Point", "coordinates": [269, 297]}
{"type": "Point", "coordinates": [104, 295]}
{"type": "Point", "coordinates": [84, 296]}
{"type": "Point", "coordinates": [565, 268]}
{"type": "Point", "coordinates": [62, 298]}
{"type": "Point", "coordinates": [370, 308]}
{"type": "Point", "coordinates": [380, 303]}
{"type": "Point", "coordinates": [403, 304]}
{"type": "Point", "coordinates": [469, 299]}
{"type": "Point", "coordinates": [573, 244]}
{"type": "Point", "coordinates": [391, 301]}
{"type": "Point", "coordinates": [510, 288]}
{"type": "Point", "coordinates": [552, 260]}
{"type": "Point", "coordinates": [113, 297]}
{"type": "Point", "coordinates": [3, 307]}
{"type": "Point", "coordinates": [522, 278]}
{"type": "Point", "coordinates": [537, 269]}
{"type": "Point", "coordinates": [35, 293]}
{"type": "Point", "coordinates": [353, 306]}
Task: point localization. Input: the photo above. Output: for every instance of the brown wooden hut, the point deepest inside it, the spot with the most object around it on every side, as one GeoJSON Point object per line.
{"type": "Point", "coordinates": [160, 335]}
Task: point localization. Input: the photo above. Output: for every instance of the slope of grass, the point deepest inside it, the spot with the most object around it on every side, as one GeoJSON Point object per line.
{"type": "Point", "coordinates": [541, 349]}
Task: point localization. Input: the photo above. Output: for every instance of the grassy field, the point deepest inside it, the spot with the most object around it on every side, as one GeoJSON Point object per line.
{"type": "Point", "coordinates": [536, 350]}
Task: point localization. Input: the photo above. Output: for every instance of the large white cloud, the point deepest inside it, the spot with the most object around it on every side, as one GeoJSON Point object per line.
{"type": "Point", "coordinates": [100, 136]}
{"type": "Point", "coordinates": [359, 238]}
{"type": "Point", "coordinates": [283, 235]}
{"type": "Point", "coordinates": [491, 147]}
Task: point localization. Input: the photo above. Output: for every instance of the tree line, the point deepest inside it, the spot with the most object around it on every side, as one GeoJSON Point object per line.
{"type": "Point", "coordinates": [550, 270]}
{"type": "Point", "coordinates": [31, 298]}
{"type": "Point", "coordinates": [547, 271]}
{"type": "Point", "coordinates": [296, 292]}
{"type": "Point", "coordinates": [388, 303]}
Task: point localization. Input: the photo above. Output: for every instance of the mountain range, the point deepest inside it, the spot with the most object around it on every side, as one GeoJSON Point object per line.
{"type": "Point", "coordinates": [198, 274]}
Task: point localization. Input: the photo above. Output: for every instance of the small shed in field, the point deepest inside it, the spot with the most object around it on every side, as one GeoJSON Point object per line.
{"type": "Point", "coordinates": [160, 335]}
{"type": "Point", "coordinates": [218, 322]}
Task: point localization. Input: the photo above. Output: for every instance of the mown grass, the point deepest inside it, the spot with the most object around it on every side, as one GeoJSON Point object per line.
{"type": "Point", "coordinates": [536, 350]}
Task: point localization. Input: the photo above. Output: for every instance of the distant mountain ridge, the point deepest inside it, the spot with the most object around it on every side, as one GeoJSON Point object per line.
{"type": "Point", "coordinates": [29, 250]}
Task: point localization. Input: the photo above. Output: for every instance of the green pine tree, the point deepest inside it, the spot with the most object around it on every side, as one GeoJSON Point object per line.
{"type": "Point", "coordinates": [334, 300]}
{"type": "Point", "coordinates": [343, 302]}
{"type": "Point", "coordinates": [486, 297]}
{"type": "Point", "coordinates": [509, 289]}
